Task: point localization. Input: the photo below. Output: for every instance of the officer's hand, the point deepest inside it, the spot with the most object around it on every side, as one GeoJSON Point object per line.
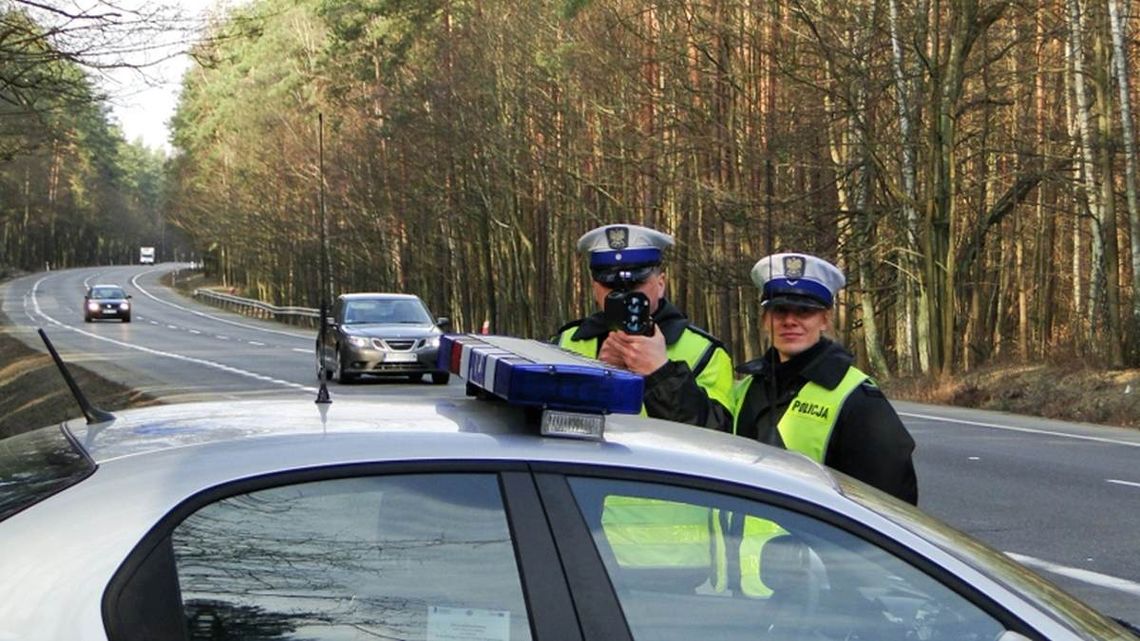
{"type": "Point", "coordinates": [611, 354]}
{"type": "Point", "coordinates": [641, 354]}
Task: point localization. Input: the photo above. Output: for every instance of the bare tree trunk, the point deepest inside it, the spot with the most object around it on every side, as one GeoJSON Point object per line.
{"type": "Point", "coordinates": [908, 267]}
{"type": "Point", "coordinates": [1121, 67]}
{"type": "Point", "coordinates": [1112, 343]}
{"type": "Point", "coordinates": [1087, 164]}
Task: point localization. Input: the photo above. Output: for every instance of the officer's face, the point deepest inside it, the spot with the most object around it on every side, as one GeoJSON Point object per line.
{"type": "Point", "coordinates": [795, 329]}
{"type": "Point", "coordinates": [653, 288]}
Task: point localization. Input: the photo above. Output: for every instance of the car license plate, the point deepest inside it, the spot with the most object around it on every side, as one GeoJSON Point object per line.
{"type": "Point", "coordinates": [392, 357]}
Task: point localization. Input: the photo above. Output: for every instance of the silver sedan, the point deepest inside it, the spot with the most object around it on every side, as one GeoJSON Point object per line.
{"type": "Point", "coordinates": [458, 520]}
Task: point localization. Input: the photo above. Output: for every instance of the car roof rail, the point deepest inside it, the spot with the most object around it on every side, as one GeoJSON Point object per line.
{"type": "Point", "coordinates": [92, 413]}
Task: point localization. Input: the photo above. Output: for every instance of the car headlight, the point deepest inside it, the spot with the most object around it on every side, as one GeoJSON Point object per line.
{"type": "Point", "coordinates": [124, 306]}
{"type": "Point", "coordinates": [358, 341]}
{"type": "Point", "coordinates": [92, 305]}
{"type": "Point", "coordinates": [431, 341]}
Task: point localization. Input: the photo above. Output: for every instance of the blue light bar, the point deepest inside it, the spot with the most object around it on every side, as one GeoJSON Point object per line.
{"type": "Point", "coordinates": [531, 373]}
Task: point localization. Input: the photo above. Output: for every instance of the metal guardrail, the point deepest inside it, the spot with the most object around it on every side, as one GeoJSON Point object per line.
{"type": "Point", "coordinates": [304, 316]}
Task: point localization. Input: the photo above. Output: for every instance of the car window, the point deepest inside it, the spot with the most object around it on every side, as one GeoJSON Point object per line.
{"type": "Point", "coordinates": [34, 465]}
{"type": "Point", "coordinates": [386, 311]}
{"type": "Point", "coordinates": [413, 557]}
{"type": "Point", "coordinates": [108, 292]}
{"type": "Point", "coordinates": [670, 554]}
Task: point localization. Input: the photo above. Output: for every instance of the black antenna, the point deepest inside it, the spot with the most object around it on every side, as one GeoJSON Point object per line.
{"type": "Point", "coordinates": [325, 276]}
{"type": "Point", "coordinates": [773, 388]}
{"type": "Point", "coordinates": [93, 414]}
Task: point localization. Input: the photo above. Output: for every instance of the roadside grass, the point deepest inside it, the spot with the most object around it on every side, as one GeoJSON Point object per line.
{"type": "Point", "coordinates": [33, 393]}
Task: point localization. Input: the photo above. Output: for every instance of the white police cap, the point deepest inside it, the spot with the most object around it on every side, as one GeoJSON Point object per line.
{"type": "Point", "coordinates": [626, 246]}
{"type": "Point", "coordinates": [799, 280]}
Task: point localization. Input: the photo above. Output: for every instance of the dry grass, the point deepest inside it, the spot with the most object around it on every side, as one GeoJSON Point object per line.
{"type": "Point", "coordinates": [1069, 390]}
{"type": "Point", "coordinates": [33, 393]}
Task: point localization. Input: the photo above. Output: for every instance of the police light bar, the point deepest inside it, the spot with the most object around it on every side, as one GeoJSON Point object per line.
{"type": "Point", "coordinates": [531, 373]}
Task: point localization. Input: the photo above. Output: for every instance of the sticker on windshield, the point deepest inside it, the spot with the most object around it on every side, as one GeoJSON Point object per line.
{"type": "Point", "coordinates": [468, 624]}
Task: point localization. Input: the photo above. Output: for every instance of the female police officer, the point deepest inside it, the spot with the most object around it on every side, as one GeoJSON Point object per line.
{"type": "Point", "coordinates": [804, 394]}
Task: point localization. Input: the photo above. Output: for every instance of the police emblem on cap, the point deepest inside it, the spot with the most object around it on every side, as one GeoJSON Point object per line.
{"type": "Point", "coordinates": [617, 237]}
{"type": "Point", "coordinates": [793, 267]}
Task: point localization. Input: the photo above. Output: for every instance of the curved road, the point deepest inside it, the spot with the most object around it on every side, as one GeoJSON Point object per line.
{"type": "Point", "coordinates": [1063, 498]}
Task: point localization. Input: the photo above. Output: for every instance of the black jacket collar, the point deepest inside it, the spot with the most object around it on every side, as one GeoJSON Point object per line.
{"type": "Point", "coordinates": [667, 317]}
{"type": "Point", "coordinates": [824, 363]}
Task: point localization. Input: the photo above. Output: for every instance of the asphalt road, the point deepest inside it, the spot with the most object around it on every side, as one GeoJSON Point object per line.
{"type": "Point", "coordinates": [1062, 498]}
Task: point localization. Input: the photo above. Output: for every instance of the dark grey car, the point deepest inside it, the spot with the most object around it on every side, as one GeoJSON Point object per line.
{"type": "Point", "coordinates": [106, 301]}
{"type": "Point", "coordinates": [380, 334]}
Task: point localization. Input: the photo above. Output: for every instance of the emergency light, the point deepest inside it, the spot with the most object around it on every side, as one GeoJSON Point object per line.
{"type": "Point", "coordinates": [531, 373]}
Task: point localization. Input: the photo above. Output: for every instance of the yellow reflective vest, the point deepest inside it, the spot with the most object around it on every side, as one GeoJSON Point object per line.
{"type": "Point", "coordinates": [651, 533]}
{"type": "Point", "coordinates": [805, 427]}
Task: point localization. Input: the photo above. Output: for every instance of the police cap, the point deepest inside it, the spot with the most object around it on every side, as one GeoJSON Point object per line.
{"type": "Point", "coordinates": [797, 280]}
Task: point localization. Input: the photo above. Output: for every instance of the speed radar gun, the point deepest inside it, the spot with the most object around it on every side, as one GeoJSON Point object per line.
{"type": "Point", "coordinates": [628, 312]}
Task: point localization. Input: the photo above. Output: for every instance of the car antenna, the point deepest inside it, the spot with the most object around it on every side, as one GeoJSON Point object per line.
{"type": "Point", "coordinates": [323, 397]}
{"type": "Point", "coordinates": [93, 414]}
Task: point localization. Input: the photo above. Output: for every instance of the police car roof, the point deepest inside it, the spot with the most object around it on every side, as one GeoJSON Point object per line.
{"type": "Point", "coordinates": [236, 439]}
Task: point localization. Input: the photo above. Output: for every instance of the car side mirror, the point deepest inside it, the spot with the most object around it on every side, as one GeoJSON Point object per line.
{"type": "Point", "coordinates": [128, 296]}
{"type": "Point", "coordinates": [443, 322]}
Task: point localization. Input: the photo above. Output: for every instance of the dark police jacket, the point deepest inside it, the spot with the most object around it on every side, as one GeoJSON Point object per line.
{"type": "Point", "coordinates": [868, 442]}
{"type": "Point", "coordinates": [696, 390]}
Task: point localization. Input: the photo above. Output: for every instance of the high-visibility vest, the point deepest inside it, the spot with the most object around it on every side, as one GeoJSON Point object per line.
{"type": "Point", "coordinates": [652, 533]}
{"type": "Point", "coordinates": [805, 427]}
{"type": "Point", "coordinates": [807, 424]}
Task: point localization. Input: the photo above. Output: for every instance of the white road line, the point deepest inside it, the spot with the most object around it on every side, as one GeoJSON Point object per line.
{"type": "Point", "coordinates": [1123, 482]}
{"type": "Point", "coordinates": [194, 331]}
{"type": "Point", "coordinates": [222, 338]}
{"type": "Point", "coordinates": [171, 327]}
{"type": "Point", "coordinates": [257, 343]}
{"type": "Point", "coordinates": [155, 352]}
{"type": "Point", "coordinates": [1028, 430]}
{"type": "Point", "coordinates": [1085, 576]}
{"type": "Point", "coordinates": [135, 282]}
{"type": "Point", "coordinates": [298, 349]}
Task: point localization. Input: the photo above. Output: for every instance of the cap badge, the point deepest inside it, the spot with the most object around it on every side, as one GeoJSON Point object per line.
{"type": "Point", "coordinates": [617, 237]}
{"type": "Point", "coordinates": [793, 267]}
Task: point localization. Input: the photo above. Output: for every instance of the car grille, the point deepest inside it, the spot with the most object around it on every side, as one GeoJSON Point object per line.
{"type": "Point", "coordinates": [395, 344]}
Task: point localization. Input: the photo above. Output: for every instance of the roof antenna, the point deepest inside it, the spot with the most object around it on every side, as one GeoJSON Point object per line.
{"type": "Point", "coordinates": [93, 414]}
{"type": "Point", "coordinates": [323, 398]}
{"type": "Point", "coordinates": [773, 387]}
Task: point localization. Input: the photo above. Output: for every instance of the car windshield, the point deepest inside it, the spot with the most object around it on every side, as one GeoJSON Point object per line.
{"type": "Point", "coordinates": [994, 564]}
{"type": "Point", "coordinates": [108, 292]}
{"type": "Point", "coordinates": [401, 311]}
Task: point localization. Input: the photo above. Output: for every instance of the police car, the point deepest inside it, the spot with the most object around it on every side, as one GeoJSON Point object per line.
{"type": "Point", "coordinates": [540, 508]}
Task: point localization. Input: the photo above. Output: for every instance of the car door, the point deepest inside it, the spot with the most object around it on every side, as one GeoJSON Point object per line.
{"type": "Point", "coordinates": [421, 553]}
{"type": "Point", "coordinates": [800, 573]}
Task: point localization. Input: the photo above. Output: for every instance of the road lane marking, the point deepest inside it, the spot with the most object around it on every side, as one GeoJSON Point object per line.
{"type": "Point", "coordinates": [1028, 430]}
{"type": "Point", "coordinates": [134, 281]}
{"type": "Point", "coordinates": [257, 343]}
{"type": "Point", "coordinates": [155, 352]}
{"type": "Point", "coordinates": [298, 349]}
{"type": "Point", "coordinates": [194, 331]}
{"type": "Point", "coordinates": [1084, 576]}
{"type": "Point", "coordinates": [1123, 482]}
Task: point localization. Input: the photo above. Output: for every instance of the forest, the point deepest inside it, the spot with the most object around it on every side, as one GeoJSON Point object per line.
{"type": "Point", "coordinates": [969, 164]}
{"type": "Point", "coordinates": [72, 190]}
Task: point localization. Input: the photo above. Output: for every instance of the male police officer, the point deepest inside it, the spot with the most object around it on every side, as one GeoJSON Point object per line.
{"type": "Point", "coordinates": [688, 372]}
{"type": "Point", "coordinates": [805, 394]}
